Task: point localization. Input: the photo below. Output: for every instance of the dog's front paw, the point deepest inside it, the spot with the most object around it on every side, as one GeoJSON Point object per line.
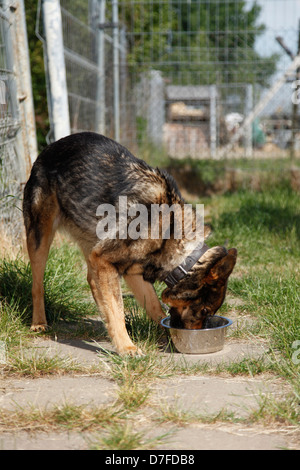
{"type": "Point", "coordinates": [131, 350]}
{"type": "Point", "coordinates": [39, 328]}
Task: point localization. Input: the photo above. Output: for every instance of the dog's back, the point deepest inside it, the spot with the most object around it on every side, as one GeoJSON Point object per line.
{"type": "Point", "coordinates": [74, 175]}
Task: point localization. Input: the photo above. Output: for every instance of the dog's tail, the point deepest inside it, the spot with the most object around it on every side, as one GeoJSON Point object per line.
{"type": "Point", "coordinates": [36, 193]}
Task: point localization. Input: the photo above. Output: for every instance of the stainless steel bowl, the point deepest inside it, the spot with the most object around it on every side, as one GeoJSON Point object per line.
{"type": "Point", "coordinates": [207, 340]}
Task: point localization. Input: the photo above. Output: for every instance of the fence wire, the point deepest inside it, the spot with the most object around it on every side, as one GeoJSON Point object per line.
{"type": "Point", "coordinates": [81, 67]}
{"type": "Point", "coordinates": [192, 74]}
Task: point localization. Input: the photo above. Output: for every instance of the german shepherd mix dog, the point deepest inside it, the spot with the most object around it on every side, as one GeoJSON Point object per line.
{"type": "Point", "coordinates": [68, 181]}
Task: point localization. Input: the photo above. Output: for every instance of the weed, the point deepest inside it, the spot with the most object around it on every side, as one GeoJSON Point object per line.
{"type": "Point", "coordinates": [124, 437]}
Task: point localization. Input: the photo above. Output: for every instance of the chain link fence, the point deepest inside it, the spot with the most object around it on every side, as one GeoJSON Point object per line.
{"type": "Point", "coordinates": [88, 52]}
{"type": "Point", "coordinates": [193, 78]}
{"type": "Point", "coordinates": [81, 66]}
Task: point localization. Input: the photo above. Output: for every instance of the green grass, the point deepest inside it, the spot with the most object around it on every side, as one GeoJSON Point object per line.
{"type": "Point", "coordinates": [67, 302]}
{"type": "Point", "coordinates": [141, 328]}
{"type": "Point", "coordinates": [265, 228]}
{"type": "Point", "coordinates": [65, 416]}
{"type": "Point", "coordinates": [66, 289]}
{"type": "Point", "coordinates": [129, 370]}
{"type": "Point", "coordinates": [122, 436]}
{"type": "Point", "coordinates": [172, 414]}
{"type": "Point", "coordinates": [264, 171]}
{"type": "Point", "coordinates": [29, 362]}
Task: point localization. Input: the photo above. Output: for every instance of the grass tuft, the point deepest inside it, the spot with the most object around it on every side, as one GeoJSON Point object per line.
{"type": "Point", "coordinates": [122, 436]}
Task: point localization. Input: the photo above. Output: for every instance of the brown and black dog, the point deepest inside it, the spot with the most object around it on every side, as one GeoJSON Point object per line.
{"type": "Point", "coordinates": [68, 182]}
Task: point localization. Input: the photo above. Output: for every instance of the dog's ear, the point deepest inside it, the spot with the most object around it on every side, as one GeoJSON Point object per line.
{"type": "Point", "coordinates": [214, 268]}
{"type": "Point", "coordinates": [207, 231]}
{"type": "Point", "coordinates": [220, 272]}
{"type": "Point", "coordinates": [188, 287]}
{"type": "Point", "coordinates": [175, 297]}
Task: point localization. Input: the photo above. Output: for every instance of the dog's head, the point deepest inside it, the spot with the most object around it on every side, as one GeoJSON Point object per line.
{"type": "Point", "coordinates": [202, 291]}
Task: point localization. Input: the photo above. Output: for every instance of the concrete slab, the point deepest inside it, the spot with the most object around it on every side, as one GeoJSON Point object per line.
{"type": "Point", "coordinates": [225, 437]}
{"type": "Point", "coordinates": [82, 351]}
{"type": "Point", "coordinates": [208, 395]}
{"type": "Point", "coordinates": [195, 437]}
{"type": "Point", "coordinates": [43, 441]}
{"type": "Point", "coordinates": [89, 352]}
{"type": "Point", "coordinates": [44, 392]}
{"type": "Point", "coordinates": [233, 351]}
{"type": "Point", "coordinates": [196, 394]}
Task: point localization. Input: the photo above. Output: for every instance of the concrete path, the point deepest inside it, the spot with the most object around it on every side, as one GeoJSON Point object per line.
{"type": "Point", "coordinates": [196, 395]}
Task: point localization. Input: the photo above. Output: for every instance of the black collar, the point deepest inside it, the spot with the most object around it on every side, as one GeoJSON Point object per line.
{"type": "Point", "coordinates": [182, 270]}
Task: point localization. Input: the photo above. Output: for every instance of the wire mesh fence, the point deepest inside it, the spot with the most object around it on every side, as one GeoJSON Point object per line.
{"type": "Point", "coordinates": [216, 60]}
{"type": "Point", "coordinates": [88, 51]}
{"type": "Point", "coordinates": [81, 66]}
{"type": "Point", "coordinates": [195, 78]}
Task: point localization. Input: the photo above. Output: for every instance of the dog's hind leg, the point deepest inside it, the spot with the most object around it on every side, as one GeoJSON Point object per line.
{"type": "Point", "coordinates": [145, 295]}
{"type": "Point", "coordinates": [105, 284]}
{"type": "Point", "coordinates": [40, 230]}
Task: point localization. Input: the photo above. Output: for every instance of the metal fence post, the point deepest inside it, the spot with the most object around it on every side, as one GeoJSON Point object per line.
{"type": "Point", "coordinates": [115, 18]}
{"type": "Point", "coordinates": [100, 99]}
{"type": "Point", "coordinates": [124, 115]}
{"type": "Point", "coordinates": [56, 68]}
{"type": "Point", "coordinates": [213, 121]}
{"type": "Point", "coordinates": [155, 107]}
{"type": "Point", "coordinates": [248, 129]}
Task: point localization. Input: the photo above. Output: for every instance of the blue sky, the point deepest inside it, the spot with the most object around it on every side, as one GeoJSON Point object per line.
{"type": "Point", "coordinates": [281, 19]}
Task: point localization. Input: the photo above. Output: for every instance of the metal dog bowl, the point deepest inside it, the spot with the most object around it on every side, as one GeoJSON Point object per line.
{"type": "Point", "coordinates": [207, 340]}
